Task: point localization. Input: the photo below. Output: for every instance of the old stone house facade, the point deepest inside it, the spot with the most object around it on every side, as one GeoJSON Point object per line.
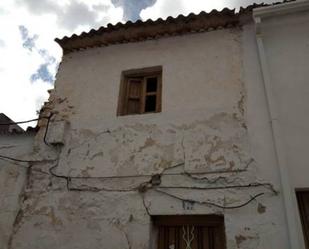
{"type": "Point", "coordinates": [188, 132]}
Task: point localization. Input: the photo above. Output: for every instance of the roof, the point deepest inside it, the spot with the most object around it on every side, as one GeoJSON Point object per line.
{"type": "Point", "coordinates": [148, 30]}
{"type": "Point", "coordinates": [8, 126]}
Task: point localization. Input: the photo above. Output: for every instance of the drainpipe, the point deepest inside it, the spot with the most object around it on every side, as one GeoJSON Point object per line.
{"type": "Point", "coordinates": [295, 234]}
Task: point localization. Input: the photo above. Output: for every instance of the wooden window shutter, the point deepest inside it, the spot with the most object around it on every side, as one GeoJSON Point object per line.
{"type": "Point", "coordinates": [134, 95]}
{"type": "Point", "coordinates": [140, 91]}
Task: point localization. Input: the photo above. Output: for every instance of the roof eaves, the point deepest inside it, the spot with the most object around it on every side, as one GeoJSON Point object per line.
{"type": "Point", "coordinates": [282, 9]}
{"type": "Point", "coordinates": [149, 29]}
{"type": "Point", "coordinates": [139, 31]}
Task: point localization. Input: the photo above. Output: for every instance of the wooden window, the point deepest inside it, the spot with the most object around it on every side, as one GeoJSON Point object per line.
{"type": "Point", "coordinates": [303, 205]}
{"type": "Point", "coordinates": [140, 91]}
{"type": "Point", "coordinates": [190, 232]}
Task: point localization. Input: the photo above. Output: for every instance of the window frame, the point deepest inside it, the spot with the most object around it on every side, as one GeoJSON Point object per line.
{"type": "Point", "coordinates": [143, 74]}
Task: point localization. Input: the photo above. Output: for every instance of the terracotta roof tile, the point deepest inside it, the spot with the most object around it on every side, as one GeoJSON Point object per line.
{"type": "Point", "coordinates": [149, 29]}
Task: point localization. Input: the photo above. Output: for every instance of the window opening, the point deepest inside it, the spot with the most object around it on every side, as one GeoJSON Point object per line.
{"type": "Point", "coordinates": [140, 91]}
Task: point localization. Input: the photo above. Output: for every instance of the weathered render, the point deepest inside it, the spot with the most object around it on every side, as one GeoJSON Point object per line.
{"type": "Point", "coordinates": [13, 176]}
{"type": "Point", "coordinates": [209, 151]}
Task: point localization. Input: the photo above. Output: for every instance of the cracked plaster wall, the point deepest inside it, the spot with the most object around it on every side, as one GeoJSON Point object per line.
{"type": "Point", "coordinates": [205, 137]}
{"type": "Point", "coordinates": [12, 180]}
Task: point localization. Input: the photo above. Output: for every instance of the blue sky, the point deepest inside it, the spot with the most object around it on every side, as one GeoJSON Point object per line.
{"type": "Point", "coordinates": [30, 57]}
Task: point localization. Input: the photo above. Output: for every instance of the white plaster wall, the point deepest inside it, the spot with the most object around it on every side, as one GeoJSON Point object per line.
{"type": "Point", "coordinates": [213, 119]}
{"type": "Point", "coordinates": [286, 40]}
{"type": "Point", "coordinates": [12, 181]}
{"type": "Point", "coordinates": [199, 81]}
{"type": "Point", "coordinates": [259, 125]}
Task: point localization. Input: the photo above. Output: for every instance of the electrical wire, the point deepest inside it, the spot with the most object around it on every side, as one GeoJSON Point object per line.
{"type": "Point", "coordinates": [211, 203]}
{"type": "Point", "coordinates": [95, 189]}
{"type": "Point", "coordinates": [157, 189]}
{"type": "Point", "coordinates": [126, 176]}
{"type": "Point", "coordinates": [45, 134]}
{"type": "Point", "coordinates": [47, 125]}
{"type": "Point", "coordinates": [251, 185]}
{"type": "Point", "coordinates": [24, 161]}
{"type": "Point", "coordinates": [149, 175]}
{"type": "Point", "coordinates": [82, 177]}
{"type": "Point", "coordinates": [268, 185]}
{"type": "Point", "coordinates": [16, 160]}
{"type": "Point", "coordinates": [29, 161]}
{"type": "Point", "coordinates": [23, 122]}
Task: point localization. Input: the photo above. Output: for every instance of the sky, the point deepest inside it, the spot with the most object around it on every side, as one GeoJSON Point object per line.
{"type": "Point", "coordinates": [29, 57]}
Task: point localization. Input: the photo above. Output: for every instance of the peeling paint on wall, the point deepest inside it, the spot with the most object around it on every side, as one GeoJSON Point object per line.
{"type": "Point", "coordinates": [105, 176]}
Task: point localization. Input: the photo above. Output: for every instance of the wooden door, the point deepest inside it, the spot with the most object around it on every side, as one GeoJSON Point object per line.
{"type": "Point", "coordinates": [303, 204]}
{"type": "Point", "coordinates": [190, 232]}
